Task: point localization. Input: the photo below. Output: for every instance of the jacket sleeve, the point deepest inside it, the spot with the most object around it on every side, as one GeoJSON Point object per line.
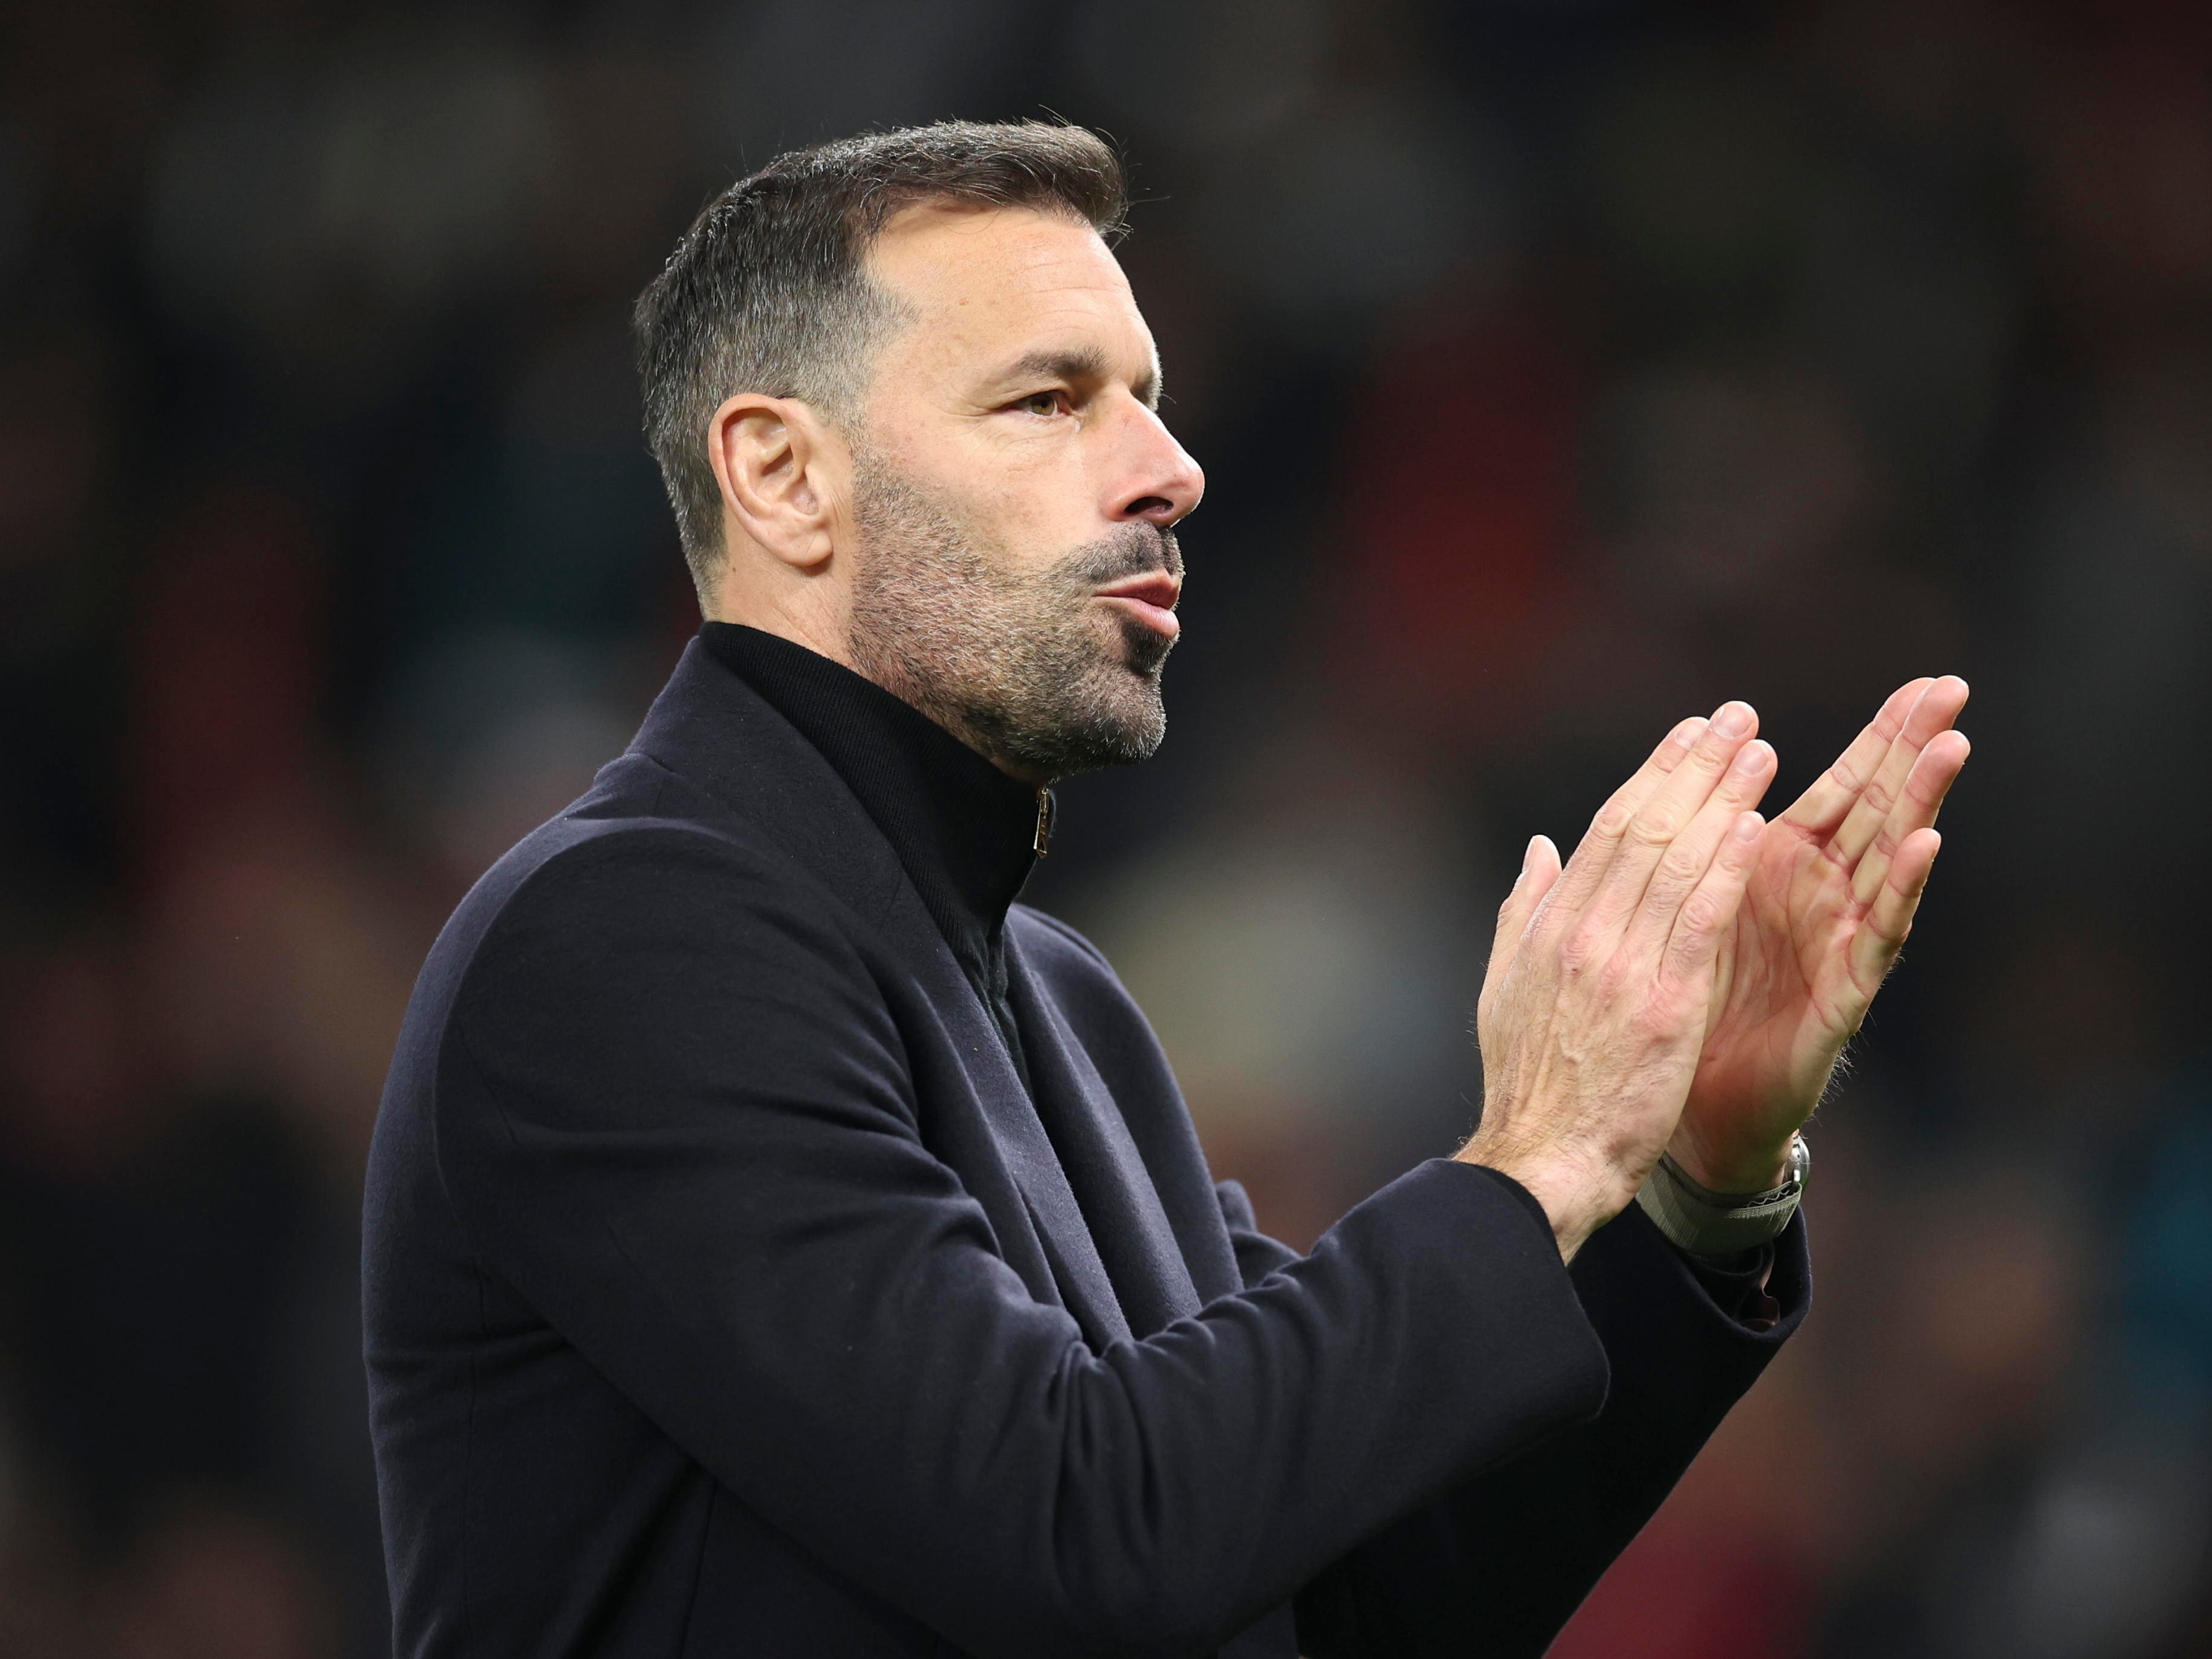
{"type": "Point", "coordinates": [675, 1115]}
{"type": "Point", "coordinates": [1514, 1550]}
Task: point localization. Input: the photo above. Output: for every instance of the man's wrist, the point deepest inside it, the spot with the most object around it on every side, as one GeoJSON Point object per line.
{"type": "Point", "coordinates": [1735, 1169]}
{"type": "Point", "coordinates": [1713, 1225]}
{"type": "Point", "coordinates": [1573, 1201]}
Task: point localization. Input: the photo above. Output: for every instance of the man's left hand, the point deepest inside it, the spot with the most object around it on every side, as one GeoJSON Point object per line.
{"type": "Point", "coordinates": [1831, 897]}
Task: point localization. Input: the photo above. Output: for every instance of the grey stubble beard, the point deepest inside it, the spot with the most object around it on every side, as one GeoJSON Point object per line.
{"type": "Point", "coordinates": [1016, 664]}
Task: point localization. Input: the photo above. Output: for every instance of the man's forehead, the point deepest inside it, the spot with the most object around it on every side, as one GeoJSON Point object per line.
{"type": "Point", "coordinates": [985, 274]}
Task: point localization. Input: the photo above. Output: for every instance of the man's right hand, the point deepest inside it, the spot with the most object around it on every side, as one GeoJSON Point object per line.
{"type": "Point", "coordinates": [1594, 1008]}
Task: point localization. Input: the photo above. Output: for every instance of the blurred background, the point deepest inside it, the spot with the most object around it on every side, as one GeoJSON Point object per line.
{"type": "Point", "coordinates": [1561, 367]}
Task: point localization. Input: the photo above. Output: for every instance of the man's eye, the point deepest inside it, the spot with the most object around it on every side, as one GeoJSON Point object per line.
{"type": "Point", "coordinates": [1040, 403]}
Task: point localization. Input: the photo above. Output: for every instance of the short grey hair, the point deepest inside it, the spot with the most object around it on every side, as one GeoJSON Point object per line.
{"type": "Point", "coordinates": [767, 291]}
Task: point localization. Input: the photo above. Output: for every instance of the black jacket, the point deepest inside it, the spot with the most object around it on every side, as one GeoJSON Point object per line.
{"type": "Point", "coordinates": [776, 1245]}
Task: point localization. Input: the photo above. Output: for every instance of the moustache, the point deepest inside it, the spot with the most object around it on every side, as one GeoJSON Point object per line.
{"type": "Point", "coordinates": [1129, 550]}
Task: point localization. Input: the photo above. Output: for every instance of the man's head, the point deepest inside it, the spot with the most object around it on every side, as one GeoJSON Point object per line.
{"type": "Point", "coordinates": [904, 402]}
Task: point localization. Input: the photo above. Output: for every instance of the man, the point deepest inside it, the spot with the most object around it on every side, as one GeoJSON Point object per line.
{"type": "Point", "coordinates": [779, 1243]}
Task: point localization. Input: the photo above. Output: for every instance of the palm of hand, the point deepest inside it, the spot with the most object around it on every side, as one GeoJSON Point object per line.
{"type": "Point", "coordinates": [1830, 900]}
{"type": "Point", "coordinates": [1784, 1000]}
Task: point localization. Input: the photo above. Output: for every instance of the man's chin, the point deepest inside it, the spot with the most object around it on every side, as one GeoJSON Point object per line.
{"type": "Point", "coordinates": [1119, 728]}
{"type": "Point", "coordinates": [1143, 649]}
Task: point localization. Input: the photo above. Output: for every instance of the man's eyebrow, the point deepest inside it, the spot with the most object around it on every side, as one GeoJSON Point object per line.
{"type": "Point", "coordinates": [1069, 363]}
{"type": "Point", "coordinates": [1078, 363]}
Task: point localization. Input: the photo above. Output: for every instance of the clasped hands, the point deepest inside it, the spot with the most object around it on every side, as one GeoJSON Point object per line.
{"type": "Point", "coordinates": [1687, 981]}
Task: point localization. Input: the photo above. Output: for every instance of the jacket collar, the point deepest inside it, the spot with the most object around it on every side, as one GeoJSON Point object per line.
{"type": "Point", "coordinates": [716, 734]}
{"type": "Point", "coordinates": [967, 834]}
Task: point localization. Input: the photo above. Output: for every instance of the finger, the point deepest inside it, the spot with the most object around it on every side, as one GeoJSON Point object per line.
{"type": "Point", "coordinates": [1882, 931]}
{"type": "Point", "coordinates": [1540, 868]}
{"type": "Point", "coordinates": [1594, 853]}
{"type": "Point", "coordinates": [1917, 805]}
{"type": "Point", "coordinates": [1822, 807]}
{"type": "Point", "coordinates": [1666, 814]}
{"type": "Point", "coordinates": [1684, 864]}
{"type": "Point", "coordinates": [1712, 904]}
{"type": "Point", "coordinates": [1938, 708]}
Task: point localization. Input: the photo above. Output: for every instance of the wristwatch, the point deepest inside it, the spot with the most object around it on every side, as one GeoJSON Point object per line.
{"type": "Point", "coordinates": [1703, 1222]}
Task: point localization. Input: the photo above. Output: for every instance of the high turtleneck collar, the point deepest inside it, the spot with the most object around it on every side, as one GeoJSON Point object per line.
{"type": "Point", "coordinates": [966, 832]}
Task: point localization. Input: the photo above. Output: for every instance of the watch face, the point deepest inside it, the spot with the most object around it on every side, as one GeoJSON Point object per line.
{"type": "Point", "coordinates": [1800, 1159]}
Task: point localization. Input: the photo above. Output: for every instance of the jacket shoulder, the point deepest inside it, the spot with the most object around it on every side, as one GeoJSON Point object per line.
{"type": "Point", "coordinates": [656, 856]}
{"type": "Point", "coordinates": [645, 825]}
{"type": "Point", "coordinates": [1054, 944]}
{"type": "Point", "coordinates": [618, 863]}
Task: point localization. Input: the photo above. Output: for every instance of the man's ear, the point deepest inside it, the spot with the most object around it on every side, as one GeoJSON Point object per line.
{"type": "Point", "coordinates": [782, 472]}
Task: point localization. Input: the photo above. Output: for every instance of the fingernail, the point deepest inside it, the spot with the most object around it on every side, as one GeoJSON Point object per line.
{"type": "Point", "coordinates": [1750, 758]}
{"type": "Point", "coordinates": [1529, 855]}
{"type": "Point", "coordinates": [1748, 826]}
{"type": "Point", "coordinates": [1731, 720]}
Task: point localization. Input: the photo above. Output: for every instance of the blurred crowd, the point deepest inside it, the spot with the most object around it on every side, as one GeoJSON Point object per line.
{"type": "Point", "coordinates": [1560, 367]}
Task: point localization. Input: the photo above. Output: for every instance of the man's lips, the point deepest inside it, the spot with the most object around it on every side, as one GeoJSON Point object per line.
{"type": "Point", "coordinates": [1152, 597]}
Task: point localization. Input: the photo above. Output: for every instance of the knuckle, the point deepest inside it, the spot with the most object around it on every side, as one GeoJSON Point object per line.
{"type": "Point", "coordinates": [1579, 949]}
{"type": "Point", "coordinates": [1701, 913]}
{"type": "Point", "coordinates": [1748, 782]}
{"type": "Point", "coordinates": [1612, 821]}
{"type": "Point", "coordinates": [1681, 865]}
{"type": "Point", "coordinates": [1681, 962]}
{"type": "Point", "coordinates": [1654, 828]}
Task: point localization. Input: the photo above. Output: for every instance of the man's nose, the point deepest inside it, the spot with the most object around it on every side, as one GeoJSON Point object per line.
{"type": "Point", "coordinates": [1158, 481]}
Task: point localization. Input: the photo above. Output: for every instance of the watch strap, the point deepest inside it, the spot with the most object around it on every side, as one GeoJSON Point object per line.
{"type": "Point", "coordinates": [1704, 1222]}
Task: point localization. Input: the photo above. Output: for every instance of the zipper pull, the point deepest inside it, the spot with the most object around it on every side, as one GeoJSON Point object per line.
{"type": "Point", "coordinates": [1042, 843]}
